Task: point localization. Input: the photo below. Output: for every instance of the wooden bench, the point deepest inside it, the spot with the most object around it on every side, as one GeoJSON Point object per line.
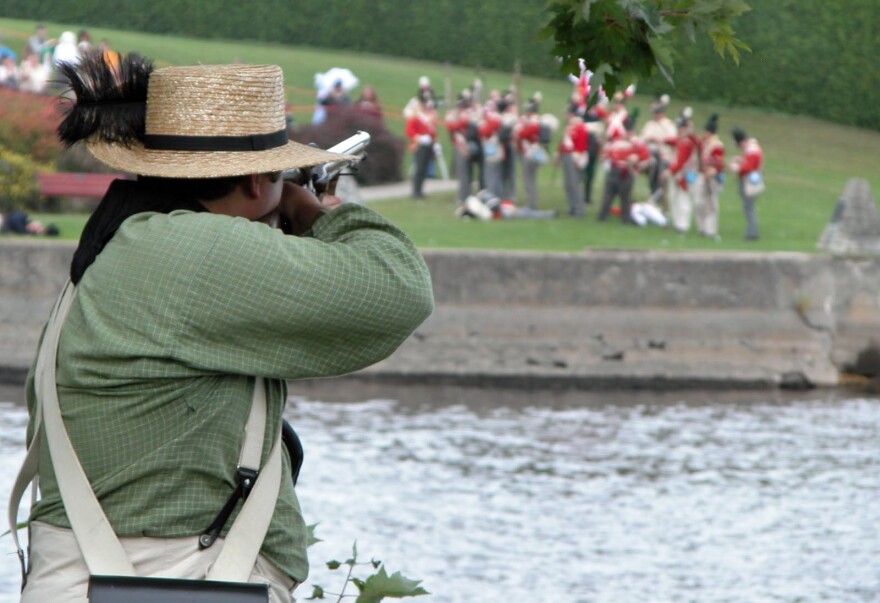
{"type": "Point", "coordinates": [75, 184]}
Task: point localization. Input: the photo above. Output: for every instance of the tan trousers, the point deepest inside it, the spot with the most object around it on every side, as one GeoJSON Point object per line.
{"type": "Point", "coordinates": [680, 206]}
{"type": "Point", "coordinates": [706, 191]}
{"type": "Point", "coordinates": [58, 573]}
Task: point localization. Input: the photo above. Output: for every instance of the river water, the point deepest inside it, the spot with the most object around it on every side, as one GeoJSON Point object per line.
{"type": "Point", "coordinates": [587, 498]}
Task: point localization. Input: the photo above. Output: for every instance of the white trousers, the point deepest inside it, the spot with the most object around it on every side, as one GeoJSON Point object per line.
{"type": "Point", "coordinates": [680, 207]}
{"type": "Point", "coordinates": [59, 574]}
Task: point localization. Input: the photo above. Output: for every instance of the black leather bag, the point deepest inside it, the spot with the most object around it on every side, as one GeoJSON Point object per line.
{"type": "Point", "coordinates": [127, 589]}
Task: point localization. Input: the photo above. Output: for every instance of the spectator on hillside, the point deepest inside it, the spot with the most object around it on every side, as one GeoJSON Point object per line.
{"type": "Point", "coordinates": [337, 96]}
{"type": "Point", "coordinates": [9, 73]}
{"type": "Point", "coordinates": [369, 102]}
{"type": "Point", "coordinates": [5, 51]}
{"type": "Point", "coordinates": [66, 51]}
{"type": "Point", "coordinates": [33, 75]}
{"type": "Point", "coordinates": [83, 42]}
{"type": "Point", "coordinates": [38, 44]}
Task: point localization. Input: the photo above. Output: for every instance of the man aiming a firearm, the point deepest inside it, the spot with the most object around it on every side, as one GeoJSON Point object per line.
{"type": "Point", "coordinates": [184, 306]}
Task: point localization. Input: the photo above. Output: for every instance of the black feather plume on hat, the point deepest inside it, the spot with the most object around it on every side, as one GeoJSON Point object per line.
{"type": "Point", "coordinates": [712, 124]}
{"type": "Point", "coordinates": [110, 102]}
{"type": "Point", "coordinates": [631, 119]}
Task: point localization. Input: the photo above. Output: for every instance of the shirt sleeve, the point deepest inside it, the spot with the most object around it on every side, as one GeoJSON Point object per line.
{"type": "Point", "coordinates": [335, 301]}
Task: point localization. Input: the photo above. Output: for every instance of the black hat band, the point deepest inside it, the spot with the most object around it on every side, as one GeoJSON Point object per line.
{"type": "Point", "coordinates": [254, 142]}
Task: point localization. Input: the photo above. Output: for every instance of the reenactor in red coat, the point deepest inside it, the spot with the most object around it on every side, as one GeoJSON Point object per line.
{"type": "Point", "coordinates": [493, 150]}
{"type": "Point", "coordinates": [533, 154]}
{"type": "Point", "coordinates": [627, 156]}
{"type": "Point", "coordinates": [681, 175]}
{"type": "Point", "coordinates": [748, 167]}
{"type": "Point", "coordinates": [709, 181]}
{"type": "Point", "coordinates": [421, 129]}
{"type": "Point", "coordinates": [458, 120]}
{"type": "Point", "coordinates": [572, 154]}
{"type": "Point", "coordinates": [657, 133]}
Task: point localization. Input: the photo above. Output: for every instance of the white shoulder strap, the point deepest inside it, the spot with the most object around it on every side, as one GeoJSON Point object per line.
{"type": "Point", "coordinates": [28, 473]}
{"type": "Point", "coordinates": [245, 537]}
{"type": "Point", "coordinates": [99, 545]}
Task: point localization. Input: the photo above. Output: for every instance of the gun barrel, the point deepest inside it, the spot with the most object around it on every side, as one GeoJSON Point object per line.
{"type": "Point", "coordinates": [354, 145]}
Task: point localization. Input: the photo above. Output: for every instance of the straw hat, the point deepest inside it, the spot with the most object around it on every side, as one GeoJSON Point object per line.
{"type": "Point", "coordinates": [210, 121]}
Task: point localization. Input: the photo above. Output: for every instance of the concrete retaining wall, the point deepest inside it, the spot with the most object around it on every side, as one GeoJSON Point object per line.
{"type": "Point", "coordinates": [599, 319]}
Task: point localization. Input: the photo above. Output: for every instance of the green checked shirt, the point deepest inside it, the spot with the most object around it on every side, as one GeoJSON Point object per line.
{"type": "Point", "coordinates": [169, 326]}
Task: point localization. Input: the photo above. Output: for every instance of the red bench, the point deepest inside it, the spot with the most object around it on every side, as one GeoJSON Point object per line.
{"type": "Point", "coordinates": [74, 184]}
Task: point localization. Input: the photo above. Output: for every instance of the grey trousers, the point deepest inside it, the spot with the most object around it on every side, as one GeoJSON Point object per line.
{"type": "Point", "coordinates": [749, 212]}
{"type": "Point", "coordinates": [421, 159]}
{"type": "Point", "coordinates": [492, 169]}
{"type": "Point", "coordinates": [462, 174]}
{"type": "Point", "coordinates": [508, 173]}
{"type": "Point", "coordinates": [618, 183]}
{"type": "Point", "coordinates": [530, 181]}
{"type": "Point", "coordinates": [574, 194]}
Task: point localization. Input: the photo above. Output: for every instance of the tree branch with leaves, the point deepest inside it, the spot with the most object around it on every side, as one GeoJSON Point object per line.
{"type": "Point", "coordinates": [623, 40]}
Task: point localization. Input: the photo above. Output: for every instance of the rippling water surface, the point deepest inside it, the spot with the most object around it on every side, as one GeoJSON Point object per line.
{"type": "Point", "coordinates": [693, 500]}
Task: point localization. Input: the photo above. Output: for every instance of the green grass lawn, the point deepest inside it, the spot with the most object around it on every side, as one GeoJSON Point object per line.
{"type": "Point", "coordinates": [808, 161]}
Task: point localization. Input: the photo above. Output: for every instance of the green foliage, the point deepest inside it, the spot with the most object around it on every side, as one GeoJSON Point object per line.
{"type": "Point", "coordinates": [810, 57]}
{"type": "Point", "coordinates": [487, 34]}
{"type": "Point", "coordinates": [623, 40]}
{"type": "Point", "coordinates": [18, 181]}
{"type": "Point", "coordinates": [27, 124]}
{"type": "Point", "coordinates": [380, 585]}
{"type": "Point", "coordinates": [374, 588]}
{"type": "Point", "coordinates": [311, 538]}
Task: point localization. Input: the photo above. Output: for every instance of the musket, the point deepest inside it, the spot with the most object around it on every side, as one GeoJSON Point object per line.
{"type": "Point", "coordinates": [322, 178]}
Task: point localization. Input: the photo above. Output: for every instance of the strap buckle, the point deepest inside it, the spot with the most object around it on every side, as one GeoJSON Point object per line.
{"type": "Point", "coordinates": [246, 479]}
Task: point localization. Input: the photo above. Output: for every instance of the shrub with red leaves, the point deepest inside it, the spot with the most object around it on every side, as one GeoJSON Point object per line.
{"type": "Point", "coordinates": [28, 123]}
{"type": "Point", "coordinates": [384, 155]}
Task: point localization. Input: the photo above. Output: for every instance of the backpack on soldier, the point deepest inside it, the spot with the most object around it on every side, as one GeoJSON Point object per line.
{"type": "Point", "coordinates": [545, 134]}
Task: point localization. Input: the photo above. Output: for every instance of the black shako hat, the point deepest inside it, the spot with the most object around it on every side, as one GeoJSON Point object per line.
{"type": "Point", "coordinates": [712, 123]}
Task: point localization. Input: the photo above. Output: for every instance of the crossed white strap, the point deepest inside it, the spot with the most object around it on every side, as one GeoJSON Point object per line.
{"type": "Point", "coordinates": [99, 545]}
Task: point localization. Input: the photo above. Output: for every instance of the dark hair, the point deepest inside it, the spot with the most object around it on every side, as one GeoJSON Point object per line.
{"type": "Point", "coordinates": [198, 189]}
{"type": "Point", "coordinates": [739, 135]}
{"type": "Point", "coordinates": [126, 198]}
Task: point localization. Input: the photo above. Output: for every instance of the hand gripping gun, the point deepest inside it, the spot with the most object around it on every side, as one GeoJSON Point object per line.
{"type": "Point", "coordinates": [322, 178]}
